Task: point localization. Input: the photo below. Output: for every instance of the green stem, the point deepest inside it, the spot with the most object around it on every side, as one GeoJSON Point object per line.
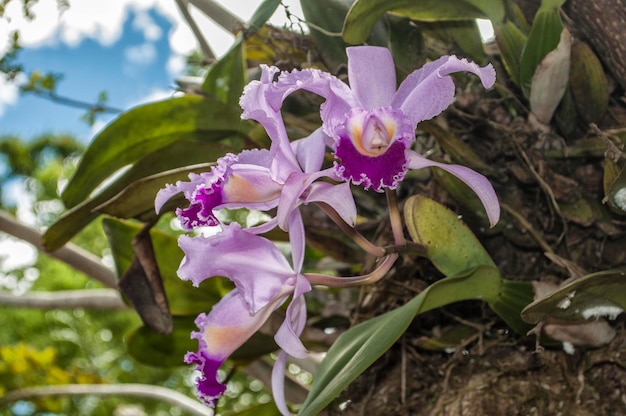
{"type": "Point", "coordinates": [395, 218]}
{"type": "Point", "coordinates": [357, 237]}
{"type": "Point", "coordinates": [367, 279]}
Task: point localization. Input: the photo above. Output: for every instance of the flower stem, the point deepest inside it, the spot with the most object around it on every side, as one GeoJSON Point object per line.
{"type": "Point", "coordinates": [394, 217]}
{"type": "Point", "coordinates": [358, 238]}
{"type": "Point", "coordinates": [367, 279]}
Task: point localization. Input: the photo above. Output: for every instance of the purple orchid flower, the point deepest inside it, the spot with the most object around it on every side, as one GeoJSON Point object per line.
{"type": "Point", "coordinates": [264, 280]}
{"type": "Point", "coordinates": [252, 179]}
{"type": "Point", "coordinates": [372, 123]}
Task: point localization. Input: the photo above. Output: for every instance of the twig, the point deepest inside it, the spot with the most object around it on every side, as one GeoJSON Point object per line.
{"type": "Point", "coordinates": [66, 299]}
{"type": "Point", "coordinates": [128, 389]}
{"type": "Point", "coordinates": [204, 46]}
{"type": "Point", "coordinates": [71, 254]}
{"type": "Point", "coordinates": [70, 102]}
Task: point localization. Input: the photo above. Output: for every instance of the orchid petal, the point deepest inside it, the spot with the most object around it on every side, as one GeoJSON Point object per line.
{"type": "Point", "coordinates": [186, 187]}
{"type": "Point", "coordinates": [339, 98]}
{"type": "Point", "coordinates": [256, 103]}
{"type": "Point", "coordinates": [338, 197]}
{"type": "Point", "coordinates": [428, 91]}
{"type": "Point", "coordinates": [278, 383]}
{"type": "Point", "coordinates": [288, 335]}
{"type": "Point", "coordinates": [256, 266]}
{"type": "Point", "coordinates": [310, 151]}
{"type": "Point", "coordinates": [227, 327]}
{"type": "Point", "coordinates": [372, 75]}
{"type": "Point", "coordinates": [294, 188]}
{"type": "Point", "coordinates": [477, 182]}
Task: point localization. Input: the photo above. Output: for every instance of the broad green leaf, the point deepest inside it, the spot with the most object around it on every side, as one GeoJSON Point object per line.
{"type": "Point", "coordinates": [137, 199]}
{"type": "Point", "coordinates": [226, 78]}
{"type": "Point", "coordinates": [406, 43]}
{"type": "Point", "coordinates": [450, 245]}
{"type": "Point", "coordinates": [184, 299]}
{"type": "Point", "coordinates": [588, 83]}
{"type": "Point", "coordinates": [144, 130]}
{"type": "Point", "coordinates": [148, 347]}
{"type": "Point", "coordinates": [544, 37]}
{"type": "Point", "coordinates": [457, 149]}
{"type": "Point", "coordinates": [466, 35]}
{"type": "Point", "coordinates": [470, 205]}
{"type": "Point", "coordinates": [158, 350]}
{"type": "Point", "coordinates": [511, 41]}
{"type": "Point", "coordinates": [359, 347]}
{"type": "Point", "coordinates": [263, 13]}
{"type": "Point", "coordinates": [364, 14]}
{"type": "Point", "coordinates": [325, 19]}
{"type": "Point", "coordinates": [593, 295]}
{"type": "Point", "coordinates": [195, 148]}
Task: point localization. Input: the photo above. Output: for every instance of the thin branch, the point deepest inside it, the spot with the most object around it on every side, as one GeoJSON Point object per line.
{"type": "Point", "coordinates": [132, 390]}
{"type": "Point", "coordinates": [70, 102]}
{"type": "Point", "coordinates": [204, 46]}
{"type": "Point", "coordinates": [71, 254]}
{"type": "Point", "coordinates": [66, 299]}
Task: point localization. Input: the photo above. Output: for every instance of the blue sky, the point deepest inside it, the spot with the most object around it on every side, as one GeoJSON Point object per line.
{"type": "Point", "coordinates": [131, 70]}
{"type": "Point", "coordinates": [132, 49]}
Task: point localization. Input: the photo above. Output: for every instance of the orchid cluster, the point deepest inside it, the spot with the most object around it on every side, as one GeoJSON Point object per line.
{"type": "Point", "coordinates": [369, 128]}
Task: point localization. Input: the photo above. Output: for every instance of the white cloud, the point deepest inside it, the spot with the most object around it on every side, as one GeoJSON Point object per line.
{"type": "Point", "coordinates": [9, 94]}
{"type": "Point", "coordinates": [144, 23]}
{"type": "Point", "coordinates": [143, 54]}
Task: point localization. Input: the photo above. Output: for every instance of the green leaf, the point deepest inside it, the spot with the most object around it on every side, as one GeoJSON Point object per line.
{"type": "Point", "coordinates": [544, 37]}
{"type": "Point", "coordinates": [144, 130]}
{"type": "Point", "coordinates": [196, 147]}
{"type": "Point", "coordinates": [364, 14]}
{"type": "Point", "coordinates": [148, 347]}
{"type": "Point", "coordinates": [227, 77]}
{"type": "Point", "coordinates": [263, 13]}
{"type": "Point", "coordinates": [327, 15]}
{"type": "Point", "coordinates": [183, 298]}
{"type": "Point", "coordinates": [450, 244]}
{"type": "Point", "coordinates": [406, 43]}
{"type": "Point", "coordinates": [597, 294]}
{"type": "Point", "coordinates": [359, 347]}
{"type": "Point", "coordinates": [137, 199]}
{"type": "Point", "coordinates": [466, 35]}
{"type": "Point", "coordinates": [511, 41]}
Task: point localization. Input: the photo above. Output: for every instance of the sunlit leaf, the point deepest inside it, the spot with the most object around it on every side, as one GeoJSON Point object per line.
{"type": "Point", "coordinates": [450, 244]}
{"type": "Point", "coordinates": [193, 149]}
{"type": "Point", "coordinates": [226, 77]}
{"type": "Point", "coordinates": [364, 14]}
{"type": "Point", "coordinates": [262, 14]}
{"type": "Point", "coordinates": [137, 199]}
{"type": "Point", "coordinates": [144, 130]}
{"type": "Point", "coordinates": [597, 294]}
